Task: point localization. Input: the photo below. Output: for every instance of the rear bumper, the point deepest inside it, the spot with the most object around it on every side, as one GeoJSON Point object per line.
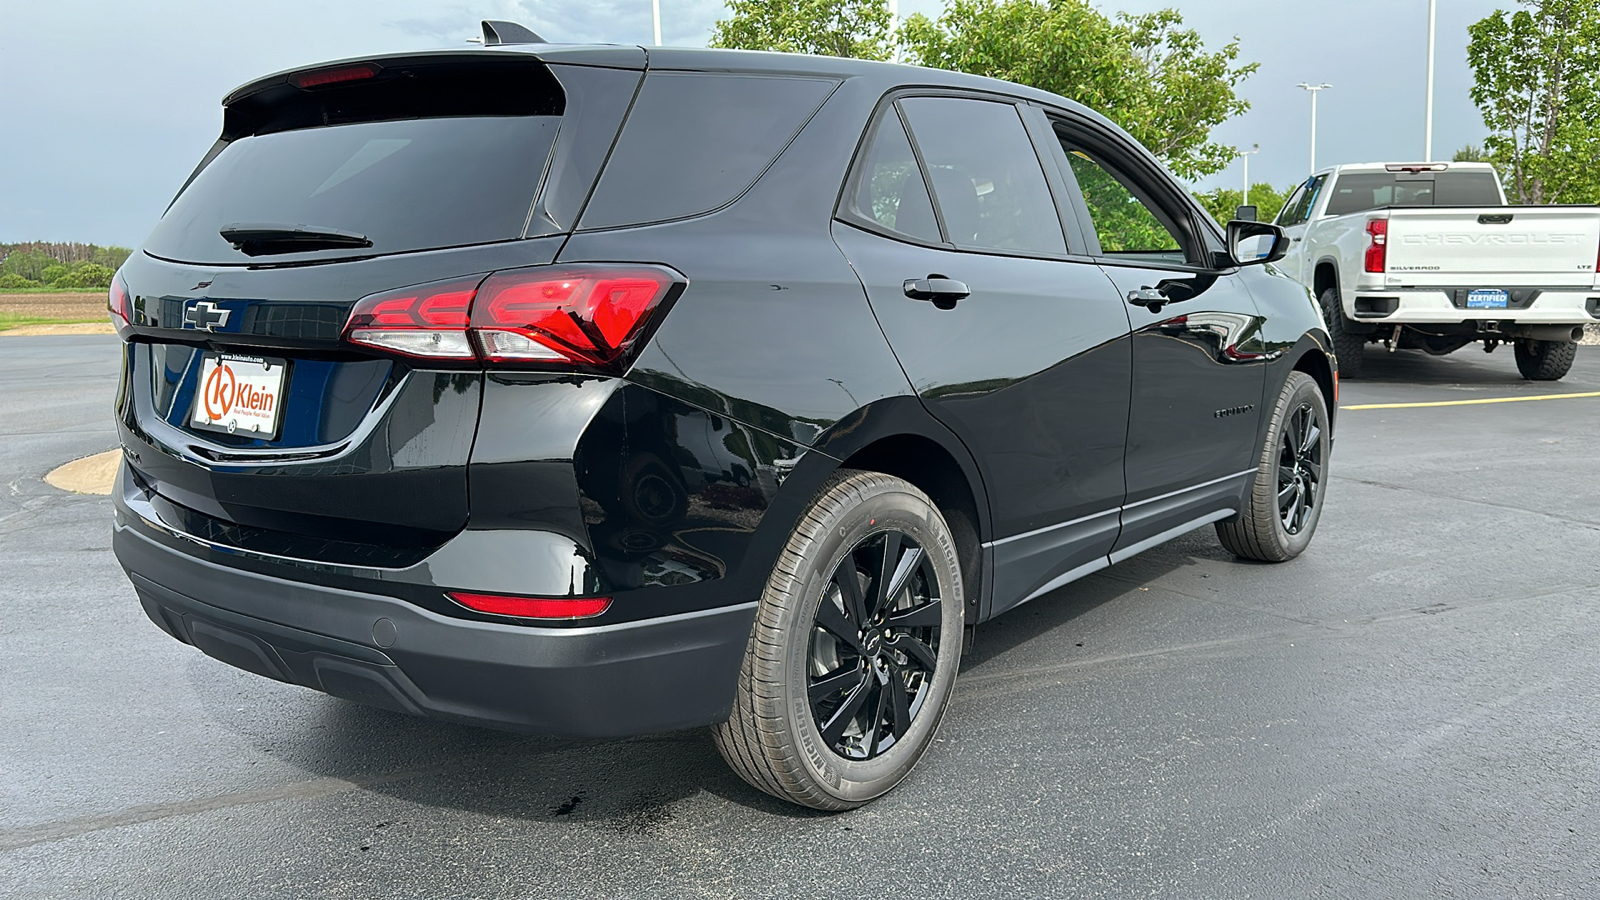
{"type": "Point", "coordinates": [1419, 307]}
{"type": "Point", "coordinates": [607, 681]}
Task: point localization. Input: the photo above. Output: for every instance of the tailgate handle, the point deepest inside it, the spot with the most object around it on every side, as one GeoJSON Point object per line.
{"type": "Point", "coordinates": [1495, 219]}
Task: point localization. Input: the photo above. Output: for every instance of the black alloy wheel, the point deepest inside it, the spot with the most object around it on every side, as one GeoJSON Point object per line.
{"type": "Point", "coordinates": [1299, 468]}
{"type": "Point", "coordinates": [853, 655]}
{"type": "Point", "coordinates": [875, 645]}
{"type": "Point", "coordinates": [1284, 504]}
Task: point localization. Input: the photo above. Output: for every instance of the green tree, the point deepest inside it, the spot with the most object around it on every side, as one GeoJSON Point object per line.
{"type": "Point", "coordinates": [852, 28]}
{"type": "Point", "coordinates": [29, 264]}
{"type": "Point", "coordinates": [1536, 75]}
{"type": "Point", "coordinates": [54, 273]}
{"type": "Point", "coordinates": [1470, 153]}
{"type": "Point", "coordinates": [1222, 203]}
{"type": "Point", "coordinates": [88, 275]}
{"type": "Point", "coordinates": [1145, 72]}
{"type": "Point", "coordinates": [12, 281]}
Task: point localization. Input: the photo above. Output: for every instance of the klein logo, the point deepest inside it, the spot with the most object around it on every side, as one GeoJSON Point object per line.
{"type": "Point", "coordinates": [1232, 411]}
{"type": "Point", "coordinates": [206, 316]}
{"type": "Point", "coordinates": [222, 392]}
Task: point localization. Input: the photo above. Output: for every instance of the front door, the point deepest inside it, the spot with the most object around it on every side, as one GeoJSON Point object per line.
{"type": "Point", "coordinates": [1199, 366]}
{"type": "Point", "coordinates": [1019, 349]}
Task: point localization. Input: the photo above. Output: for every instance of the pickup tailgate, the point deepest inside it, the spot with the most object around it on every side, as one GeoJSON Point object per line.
{"type": "Point", "coordinates": [1545, 245]}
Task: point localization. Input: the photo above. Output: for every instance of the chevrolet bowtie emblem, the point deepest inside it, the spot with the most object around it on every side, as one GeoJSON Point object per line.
{"type": "Point", "coordinates": [205, 315]}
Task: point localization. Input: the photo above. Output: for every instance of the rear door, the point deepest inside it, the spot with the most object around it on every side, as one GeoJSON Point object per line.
{"type": "Point", "coordinates": [1011, 337]}
{"type": "Point", "coordinates": [1294, 219]}
{"type": "Point", "coordinates": [1199, 363]}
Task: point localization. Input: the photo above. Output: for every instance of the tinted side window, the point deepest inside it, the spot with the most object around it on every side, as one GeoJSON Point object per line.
{"type": "Point", "coordinates": [694, 142]}
{"type": "Point", "coordinates": [889, 189]}
{"type": "Point", "coordinates": [986, 177]}
{"type": "Point", "coordinates": [1301, 211]}
{"type": "Point", "coordinates": [1126, 220]}
{"type": "Point", "coordinates": [1286, 214]}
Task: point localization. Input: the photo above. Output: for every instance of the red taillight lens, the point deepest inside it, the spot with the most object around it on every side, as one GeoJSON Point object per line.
{"type": "Point", "coordinates": [588, 315]}
{"type": "Point", "coordinates": [117, 303]}
{"type": "Point", "coordinates": [533, 607]}
{"type": "Point", "coordinates": [340, 75]}
{"type": "Point", "coordinates": [583, 314]}
{"type": "Point", "coordinates": [1377, 253]}
{"type": "Point", "coordinates": [427, 320]}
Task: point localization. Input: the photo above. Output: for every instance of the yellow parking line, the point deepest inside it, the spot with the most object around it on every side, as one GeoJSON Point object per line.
{"type": "Point", "coordinates": [1470, 402]}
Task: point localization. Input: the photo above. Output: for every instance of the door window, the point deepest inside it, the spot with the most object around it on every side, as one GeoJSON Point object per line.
{"type": "Point", "coordinates": [1305, 201]}
{"type": "Point", "coordinates": [889, 189]}
{"type": "Point", "coordinates": [1127, 222]}
{"type": "Point", "coordinates": [986, 177]}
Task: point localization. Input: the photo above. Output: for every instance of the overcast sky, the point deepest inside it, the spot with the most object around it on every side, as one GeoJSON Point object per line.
{"type": "Point", "coordinates": [105, 107]}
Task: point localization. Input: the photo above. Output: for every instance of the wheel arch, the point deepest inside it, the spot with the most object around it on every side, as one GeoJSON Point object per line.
{"type": "Point", "coordinates": [1316, 362]}
{"type": "Point", "coordinates": [1326, 275]}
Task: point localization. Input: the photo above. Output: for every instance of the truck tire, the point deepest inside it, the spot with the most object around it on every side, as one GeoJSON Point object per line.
{"type": "Point", "coordinates": [1544, 360]}
{"type": "Point", "coordinates": [1346, 345]}
{"type": "Point", "coordinates": [851, 660]}
{"type": "Point", "coordinates": [1284, 505]}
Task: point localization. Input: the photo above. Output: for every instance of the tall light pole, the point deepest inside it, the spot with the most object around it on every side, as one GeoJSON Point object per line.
{"type": "Point", "coordinates": [1314, 89]}
{"type": "Point", "coordinates": [1427, 119]}
{"type": "Point", "coordinates": [655, 19]}
{"type": "Point", "coordinates": [1244, 198]}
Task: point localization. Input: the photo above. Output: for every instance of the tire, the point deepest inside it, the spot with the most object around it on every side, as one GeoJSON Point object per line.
{"type": "Point", "coordinates": [860, 737]}
{"type": "Point", "coordinates": [1293, 465]}
{"type": "Point", "coordinates": [1347, 346]}
{"type": "Point", "coordinates": [1545, 360]}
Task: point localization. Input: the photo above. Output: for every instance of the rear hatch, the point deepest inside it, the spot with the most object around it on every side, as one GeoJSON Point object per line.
{"type": "Point", "coordinates": [268, 430]}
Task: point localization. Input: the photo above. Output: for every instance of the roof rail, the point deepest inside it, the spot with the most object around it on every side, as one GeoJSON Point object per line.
{"type": "Point", "coordinates": [496, 32]}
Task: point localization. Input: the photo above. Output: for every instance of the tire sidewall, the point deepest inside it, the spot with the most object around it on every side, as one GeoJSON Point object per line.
{"type": "Point", "coordinates": [1297, 391]}
{"type": "Point", "coordinates": [856, 781]}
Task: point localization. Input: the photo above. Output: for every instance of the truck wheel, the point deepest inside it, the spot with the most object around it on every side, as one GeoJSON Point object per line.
{"type": "Point", "coordinates": [854, 650]}
{"type": "Point", "coordinates": [1282, 509]}
{"type": "Point", "coordinates": [1346, 346]}
{"type": "Point", "coordinates": [1545, 360]}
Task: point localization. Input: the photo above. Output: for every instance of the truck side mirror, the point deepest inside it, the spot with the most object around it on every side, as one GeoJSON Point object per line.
{"type": "Point", "coordinates": [1246, 214]}
{"type": "Point", "coordinates": [1256, 243]}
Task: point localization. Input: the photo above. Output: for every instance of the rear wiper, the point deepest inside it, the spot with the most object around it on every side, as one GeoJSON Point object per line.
{"type": "Point", "coordinates": [260, 240]}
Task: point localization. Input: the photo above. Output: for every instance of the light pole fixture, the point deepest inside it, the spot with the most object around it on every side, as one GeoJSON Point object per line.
{"type": "Point", "coordinates": [1314, 89]}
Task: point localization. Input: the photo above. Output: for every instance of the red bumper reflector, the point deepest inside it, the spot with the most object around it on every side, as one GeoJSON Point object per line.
{"type": "Point", "coordinates": [533, 607]}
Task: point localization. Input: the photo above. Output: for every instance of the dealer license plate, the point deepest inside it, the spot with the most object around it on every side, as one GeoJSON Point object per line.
{"type": "Point", "coordinates": [1487, 299]}
{"type": "Point", "coordinates": [240, 395]}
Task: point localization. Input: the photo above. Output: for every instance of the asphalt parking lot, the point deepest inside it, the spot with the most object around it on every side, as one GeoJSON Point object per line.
{"type": "Point", "coordinates": [1408, 710]}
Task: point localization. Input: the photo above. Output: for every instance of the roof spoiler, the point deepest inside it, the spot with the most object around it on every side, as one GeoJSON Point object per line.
{"type": "Point", "coordinates": [496, 32]}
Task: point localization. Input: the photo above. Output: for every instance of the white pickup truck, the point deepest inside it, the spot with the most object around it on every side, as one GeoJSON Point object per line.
{"type": "Point", "coordinates": [1428, 256]}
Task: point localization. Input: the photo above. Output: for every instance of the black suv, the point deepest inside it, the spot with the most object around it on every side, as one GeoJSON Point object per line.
{"type": "Point", "coordinates": [598, 390]}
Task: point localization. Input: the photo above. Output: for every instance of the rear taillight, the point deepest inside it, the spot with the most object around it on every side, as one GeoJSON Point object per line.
{"type": "Point", "coordinates": [339, 75]}
{"type": "Point", "coordinates": [585, 315]}
{"type": "Point", "coordinates": [117, 303]}
{"type": "Point", "coordinates": [426, 320]}
{"type": "Point", "coordinates": [533, 607]}
{"type": "Point", "coordinates": [1377, 253]}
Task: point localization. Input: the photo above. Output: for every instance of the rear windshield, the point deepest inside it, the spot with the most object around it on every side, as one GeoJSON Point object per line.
{"type": "Point", "coordinates": [401, 181]}
{"type": "Point", "coordinates": [1360, 192]}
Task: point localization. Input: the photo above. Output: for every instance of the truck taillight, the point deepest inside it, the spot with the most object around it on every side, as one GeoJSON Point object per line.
{"type": "Point", "coordinates": [1377, 253]}
{"type": "Point", "coordinates": [586, 315]}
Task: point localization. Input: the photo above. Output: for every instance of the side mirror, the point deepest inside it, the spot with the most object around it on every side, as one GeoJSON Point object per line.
{"type": "Point", "coordinates": [1246, 214]}
{"type": "Point", "coordinates": [1256, 243]}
